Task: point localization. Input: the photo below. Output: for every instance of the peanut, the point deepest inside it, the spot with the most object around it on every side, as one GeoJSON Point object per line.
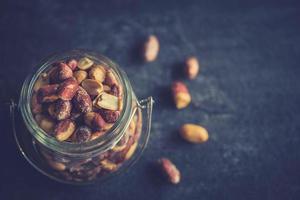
{"type": "Point", "coordinates": [181, 95]}
{"type": "Point", "coordinates": [72, 63]}
{"type": "Point", "coordinates": [41, 81]}
{"type": "Point", "coordinates": [82, 101]}
{"type": "Point", "coordinates": [110, 116]}
{"type": "Point", "coordinates": [108, 165]}
{"type": "Point", "coordinates": [36, 107]}
{"type": "Point", "coordinates": [45, 123]}
{"type": "Point", "coordinates": [151, 48]}
{"type": "Point", "coordinates": [191, 67]}
{"type": "Point", "coordinates": [57, 165]}
{"type": "Point", "coordinates": [67, 89]}
{"type": "Point", "coordinates": [110, 78]}
{"type": "Point", "coordinates": [97, 134]}
{"type": "Point", "coordinates": [62, 109]}
{"type": "Point", "coordinates": [97, 73]}
{"type": "Point", "coordinates": [80, 75]}
{"type": "Point", "coordinates": [64, 129]}
{"type": "Point", "coordinates": [170, 170]}
{"type": "Point", "coordinates": [131, 151]}
{"type": "Point", "coordinates": [82, 134]}
{"type": "Point", "coordinates": [194, 133]}
{"type": "Point", "coordinates": [47, 93]}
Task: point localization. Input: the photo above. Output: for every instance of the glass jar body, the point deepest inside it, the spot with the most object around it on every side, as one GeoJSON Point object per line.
{"type": "Point", "coordinates": [98, 159]}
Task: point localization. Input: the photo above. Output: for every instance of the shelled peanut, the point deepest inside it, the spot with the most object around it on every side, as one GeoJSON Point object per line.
{"type": "Point", "coordinates": [71, 90]}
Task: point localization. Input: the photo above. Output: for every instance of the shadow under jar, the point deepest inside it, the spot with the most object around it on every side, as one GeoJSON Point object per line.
{"type": "Point", "coordinates": [116, 147]}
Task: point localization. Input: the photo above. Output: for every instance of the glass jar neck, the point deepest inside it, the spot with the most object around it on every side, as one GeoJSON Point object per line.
{"type": "Point", "coordinates": [96, 146]}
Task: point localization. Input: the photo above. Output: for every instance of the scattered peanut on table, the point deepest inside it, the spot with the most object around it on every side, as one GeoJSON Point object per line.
{"type": "Point", "coordinates": [170, 170]}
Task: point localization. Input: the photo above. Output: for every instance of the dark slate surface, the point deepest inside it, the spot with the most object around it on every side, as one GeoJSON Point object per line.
{"type": "Point", "coordinates": [247, 95]}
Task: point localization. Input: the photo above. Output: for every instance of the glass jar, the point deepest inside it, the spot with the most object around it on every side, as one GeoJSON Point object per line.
{"type": "Point", "coordinates": [81, 163]}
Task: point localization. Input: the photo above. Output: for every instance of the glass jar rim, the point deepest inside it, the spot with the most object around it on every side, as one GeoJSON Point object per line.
{"type": "Point", "coordinates": [97, 145]}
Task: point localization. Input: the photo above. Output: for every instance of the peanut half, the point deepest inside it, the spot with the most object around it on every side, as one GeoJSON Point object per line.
{"type": "Point", "coordinates": [151, 48]}
{"type": "Point", "coordinates": [85, 63]}
{"type": "Point", "coordinates": [194, 133]}
{"type": "Point", "coordinates": [92, 86]}
{"type": "Point", "coordinates": [191, 67]}
{"type": "Point", "coordinates": [107, 101]}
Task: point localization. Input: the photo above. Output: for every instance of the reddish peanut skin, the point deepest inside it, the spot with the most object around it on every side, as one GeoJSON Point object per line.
{"type": "Point", "coordinates": [67, 89]}
{"type": "Point", "coordinates": [72, 64]}
{"type": "Point", "coordinates": [98, 122]}
{"type": "Point", "coordinates": [110, 116]}
{"type": "Point", "coordinates": [47, 93]}
{"type": "Point", "coordinates": [60, 72]}
{"type": "Point", "coordinates": [115, 90]}
{"type": "Point", "coordinates": [170, 170]}
{"type": "Point", "coordinates": [36, 107]}
{"type": "Point", "coordinates": [64, 72]}
{"type": "Point", "coordinates": [82, 101]}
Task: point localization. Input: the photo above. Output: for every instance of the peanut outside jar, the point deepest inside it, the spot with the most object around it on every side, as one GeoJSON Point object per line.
{"type": "Point", "coordinates": [87, 162]}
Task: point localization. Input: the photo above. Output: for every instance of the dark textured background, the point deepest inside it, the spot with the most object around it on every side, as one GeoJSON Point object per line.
{"type": "Point", "coordinates": [247, 94]}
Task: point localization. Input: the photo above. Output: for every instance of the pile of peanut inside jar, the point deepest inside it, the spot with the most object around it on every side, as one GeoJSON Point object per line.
{"type": "Point", "coordinates": [78, 101]}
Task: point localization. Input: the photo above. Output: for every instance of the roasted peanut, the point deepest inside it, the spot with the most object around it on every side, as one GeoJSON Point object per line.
{"type": "Point", "coordinates": [62, 109]}
{"type": "Point", "coordinates": [115, 90]}
{"type": "Point", "coordinates": [97, 134]}
{"type": "Point", "coordinates": [64, 72]}
{"type": "Point", "coordinates": [72, 63]}
{"type": "Point", "coordinates": [36, 107]}
{"type": "Point", "coordinates": [191, 67]}
{"type": "Point", "coordinates": [92, 87]}
{"type": "Point", "coordinates": [131, 151]}
{"type": "Point", "coordinates": [170, 170]}
{"type": "Point", "coordinates": [47, 93]}
{"type": "Point", "coordinates": [80, 75]}
{"type": "Point", "coordinates": [110, 116]}
{"type": "Point", "coordinates": [85, 63]}
{"type": "Point", "coordinates": [57, 165]}
{"type": "Point", "coordinates": [88, 118]}
{"type": "Point", "coordinates": [194, 133]}
{"type": "Point", "coordinates": [98, 122]}
{"type": "Point", "coordinates": [82, 101]}
{"type": "Point", "coordinates": [41, 81]}
{"type": "Point", "coordinates": [94, 120]}
{"type": "Point", "coordinates": [67, 89]}
{"type": "Point", "coordinates": [106, 88]}
{"type": "Point", "coordinates": [45, 123]}
{"type": "Point", "coordinates": [181, 95]}
{"type": "Point", "coordinates": [82, 134]}
{"type": "Point", "coordinates": [97, 73]}
{"type": "Point", "coordinates": [151, 48]}
{"type": "Point", "coordinates": [107, 126]}
{"type": "Point", "coordinates": [108, 165]}
{"type": "Point", "coordinates": [51, 110]}
{"type": "Point", "coordinates": [64, 129]}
